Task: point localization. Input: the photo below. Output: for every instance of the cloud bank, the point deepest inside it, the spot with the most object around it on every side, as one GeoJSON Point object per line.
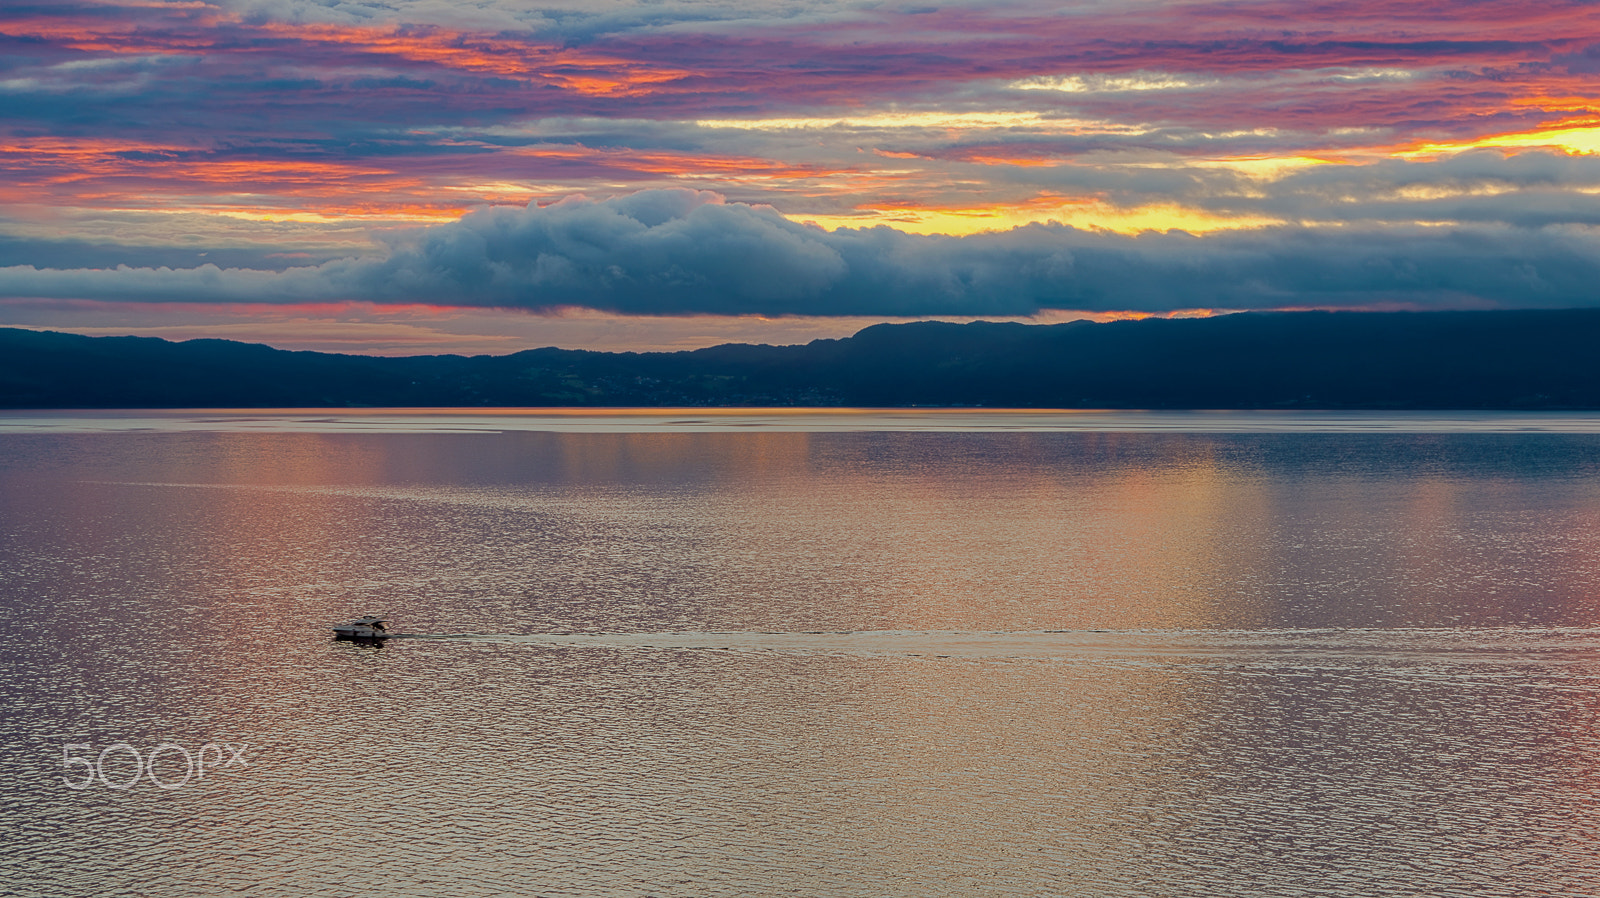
{"type": "Point", "coordinates": [679, 251]}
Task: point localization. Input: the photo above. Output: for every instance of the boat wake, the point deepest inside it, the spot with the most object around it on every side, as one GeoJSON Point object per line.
{"type": "Point", "coordinates": [1499, 645]}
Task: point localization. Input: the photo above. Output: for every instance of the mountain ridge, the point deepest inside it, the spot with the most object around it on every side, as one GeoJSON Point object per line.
{"type": "Point", "coordinates": [1513, 360]}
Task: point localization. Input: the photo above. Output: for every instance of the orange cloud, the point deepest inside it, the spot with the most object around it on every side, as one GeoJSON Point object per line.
{"type": "Point", "coordinates": [663, 163]}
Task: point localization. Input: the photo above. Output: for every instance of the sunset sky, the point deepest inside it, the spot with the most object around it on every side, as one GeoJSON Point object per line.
{"type": "Point", "coordinates": [484, 176]}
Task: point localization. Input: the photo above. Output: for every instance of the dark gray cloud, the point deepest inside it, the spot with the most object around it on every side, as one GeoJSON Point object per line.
{"type": "Point", "coordinates": [678, 251]}
{"type": "Point", "coordinates": [45, 253]}
{"type": "Point", "coordinates": [1581, 62]}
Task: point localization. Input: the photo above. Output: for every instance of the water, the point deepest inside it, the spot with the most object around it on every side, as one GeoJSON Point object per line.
{"type": "Point", "coordinates": [876, 654]}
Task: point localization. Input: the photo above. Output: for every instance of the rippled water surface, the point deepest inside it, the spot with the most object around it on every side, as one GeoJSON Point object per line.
{"type": "Point", "coordinates": [913, 654]}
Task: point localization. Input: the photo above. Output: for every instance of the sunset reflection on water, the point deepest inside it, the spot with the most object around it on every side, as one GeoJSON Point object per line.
{"type": "Point", "coordinates": [842, 663]}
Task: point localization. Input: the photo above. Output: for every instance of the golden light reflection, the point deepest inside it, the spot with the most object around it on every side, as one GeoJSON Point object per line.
{"type": "Point", "coordinates": [674, 457]}
{"type": "Point", "coordinates": [1037, 544]}
{"type": "Point", "coordinates": [295, 547]}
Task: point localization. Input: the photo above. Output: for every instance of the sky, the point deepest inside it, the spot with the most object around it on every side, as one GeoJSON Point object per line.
{"type": "Point", "coordinates": [485, 176]}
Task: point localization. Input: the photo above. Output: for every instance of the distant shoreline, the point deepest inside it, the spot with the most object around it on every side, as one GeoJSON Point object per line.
{"type": "Point", "coordinates": [785, 420]}
{"type": "Point", "coordinates": [1516, 361]}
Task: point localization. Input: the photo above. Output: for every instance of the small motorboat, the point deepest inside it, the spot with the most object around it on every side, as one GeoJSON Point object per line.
{"type": "Point", "coordinates": [369, 627]}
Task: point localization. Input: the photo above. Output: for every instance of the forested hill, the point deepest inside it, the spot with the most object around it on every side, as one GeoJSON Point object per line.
{"type": "Point", "coordinates": [1338, 360]}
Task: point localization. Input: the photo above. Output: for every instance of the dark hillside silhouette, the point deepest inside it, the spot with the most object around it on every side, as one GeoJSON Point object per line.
{"type": "Point", "coordinates": [1321, 360]}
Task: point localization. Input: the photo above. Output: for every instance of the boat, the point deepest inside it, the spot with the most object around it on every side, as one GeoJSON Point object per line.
{"type": "Point", "coordinates": [369, 628]}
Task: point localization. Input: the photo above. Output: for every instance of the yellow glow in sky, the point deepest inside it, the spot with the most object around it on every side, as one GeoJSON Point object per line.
{"type": "Point", "coordinates": [938, 120]}
{"type": "Point", "coordinates": [335, 216]}
{"type": "Point", "coordinates": [1090, 215]}
{"type": "Point", "coordinates": [1083, 84]}
{"type": "Point", "coordinates": [1263, 167]}
{"type": "Point", "coordinates": [1583, 140]}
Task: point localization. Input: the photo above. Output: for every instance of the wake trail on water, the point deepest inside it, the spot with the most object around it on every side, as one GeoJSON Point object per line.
{"type": "Point", "coordinates": [1412, 646]}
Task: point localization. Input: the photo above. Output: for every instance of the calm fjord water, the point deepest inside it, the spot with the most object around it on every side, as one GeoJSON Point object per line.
{"type": "Point", "coordinates": [692, 654]}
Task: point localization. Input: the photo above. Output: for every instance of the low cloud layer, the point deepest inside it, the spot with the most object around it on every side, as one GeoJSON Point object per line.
{"type": "Point", "coordinates": [675, 252]}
